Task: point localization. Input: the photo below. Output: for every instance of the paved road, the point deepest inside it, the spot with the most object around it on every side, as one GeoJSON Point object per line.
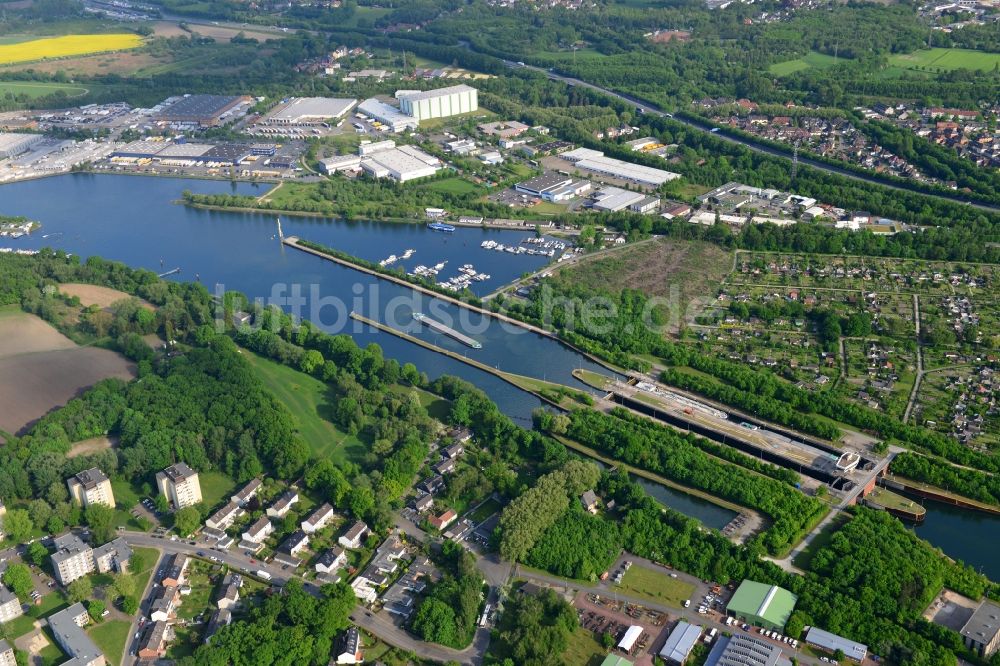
{"type": "Point", "coordinates": [920, 361]}
{"type": "Point", "coordinates": [646, 107]}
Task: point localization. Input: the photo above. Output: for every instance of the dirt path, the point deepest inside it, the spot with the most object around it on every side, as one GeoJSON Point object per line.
{"type": "Point", "coordinates": [103, 297]}
{"type": "Point", "coordinates": [92, 445]}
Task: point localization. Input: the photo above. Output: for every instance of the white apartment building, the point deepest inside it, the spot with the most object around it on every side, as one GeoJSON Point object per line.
{"type": "Point", "coordinates": [91, 486]}
{"type": "Point", "coordinates": [179, 484]}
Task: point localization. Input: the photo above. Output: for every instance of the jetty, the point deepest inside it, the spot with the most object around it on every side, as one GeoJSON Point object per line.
{"type": "Point", "coordinates": [435, 325]}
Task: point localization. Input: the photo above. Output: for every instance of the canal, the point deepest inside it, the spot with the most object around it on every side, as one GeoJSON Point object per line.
{"type": "Point", "coordinates": [970, 536]}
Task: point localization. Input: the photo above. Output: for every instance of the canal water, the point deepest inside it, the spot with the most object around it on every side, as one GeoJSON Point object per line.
{"type": "Point", "coordinates": [135, 220]}
{"type": "Point", "coordinates": [970, 536]}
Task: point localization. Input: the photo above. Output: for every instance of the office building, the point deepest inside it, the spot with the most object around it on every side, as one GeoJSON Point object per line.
{"type": "Point", "coordinates": [439, 103]}
{"type": "Point", "coordinates": [179, 484]}
{"type": "Point", "coordinates": [67, 628]}
{"type": "Point", "coordinates": [91, 486]}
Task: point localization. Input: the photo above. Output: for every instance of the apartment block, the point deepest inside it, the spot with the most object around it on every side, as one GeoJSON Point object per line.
{"type": "Point", "coordinates": [91, 486]}
{"type": "Point", "coordinates": [179, 484]}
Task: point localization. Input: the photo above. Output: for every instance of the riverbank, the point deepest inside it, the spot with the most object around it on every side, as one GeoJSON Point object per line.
{"type": "Point", "coordinates": [896, 505]}
{"type": "Point", "coordinates": [928, 491]}
{"type": "Point", "coordinates": [539, 388]}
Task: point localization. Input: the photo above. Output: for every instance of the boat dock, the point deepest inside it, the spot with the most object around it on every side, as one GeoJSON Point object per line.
{"type": "Point", "coordinates": [446, 330]}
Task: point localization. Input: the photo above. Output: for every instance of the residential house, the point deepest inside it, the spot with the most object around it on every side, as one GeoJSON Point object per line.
{"type": "Point", "coordinates": [353, 536]}
{"type": "Point", "coordinates": [248, 492]}
{"type": "Point", "coordinates": [460, 435]}
{"type": "Point", "coordinates": [318, 519]}
{"type": "Point", "coordinates": [91, 486]}
{"type": "Point", "coordinates": [423, 503]}
{"type": "Point", "coordinates": [154, 643]}
{"type": "Point", "coordinates": [445, 466]}
{"type": "Point", "coordinates": [259, 531]}
{"type": "Point", "coordinates": [331, 560]}
{"type": "Point", "coordinates": [284, 504]}
{"type": "Point", "coordinates": [164, 604]}
{"type": "Point", "coordinates": [589, 501]}
{"type": "Point", "coordinates": [220, 618]}
{"type": "Point", "coordinates": [432, 484]}
{"type": "Point", "coordinates": [442, 521]}
{"type": "Point", "coordinates": [295, 543]}
{"type": "Point", "coordinates": [349, 648]}
{"type": "Point", "coordinates": [179, 484]}
{"type": "Point", "coordinates": [229, 594]}
{"type": "Point", "coordinates": [177, 565]}
{"type": "Point", "coordinates": [455, 450]}
{"type": "Point", "coordinates": [225, 517]}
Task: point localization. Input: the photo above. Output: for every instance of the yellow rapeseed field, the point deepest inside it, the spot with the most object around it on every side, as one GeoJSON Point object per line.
{"type": "Point", "coordinates": [67, 45]}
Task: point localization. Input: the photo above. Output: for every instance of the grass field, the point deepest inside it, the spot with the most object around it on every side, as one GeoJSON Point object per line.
{"type": "Point", "coordinates": [455, 185]}
{"type": "Point", "coordinates": [148, 557]}
{"type": "Point", "coordinates": [811, 59]}
{"type": "Point", "coordinates": [35, 90]}
{"type": "Point", "coordinates": [946, 59]}
{"type": "Point", "coordinates": [583, 650]}
{"type": "Point", "coordinates": [306, 398]}
{"type": "Point", "coordinates": [215, 486]}
{"type": "Point", "coordinates": [656, 586]}
{"type": "Point", "coordinates": [67, 45]}
{"type": "Point", "coordinates": [110, 636]}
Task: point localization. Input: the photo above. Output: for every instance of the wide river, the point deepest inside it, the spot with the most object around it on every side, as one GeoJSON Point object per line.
{"type": "Point", "coordinates": [134, 220]}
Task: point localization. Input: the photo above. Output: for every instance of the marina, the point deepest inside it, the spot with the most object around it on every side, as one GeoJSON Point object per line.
{"type": "Point", "coordinates": [437, 326]}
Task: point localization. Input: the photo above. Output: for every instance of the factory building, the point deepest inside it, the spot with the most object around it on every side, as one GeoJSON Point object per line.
{"type": "Point", "coordinates": [611, 199]}
{"type": "Point", "coordinates": [202, 110]}
{"type": "Point", "coordinates": [309, 111]}
{"type": "Point", "coordinates": [439, 103]}
{"type": "Point", "coordinates": [15, 144]}
{"type": "Point", "coordinates": [141, 149]}
{"type": "Point", "coordinates": [402, 164]}
{"type": "Point", "coordinates": [745, 650]}
{"type": "Point", "coordinates": [596, 161]}
{"type": "Point", "coordinates": [340, 163]}
{"type": "Point", "coordinates": [825, 640]}
{"type": "Point", "coordinates": [389, 116]}
{"type": "Point", "coordinates": [763, 605]}
{"type": "Point", "coordinates": [553, 187]}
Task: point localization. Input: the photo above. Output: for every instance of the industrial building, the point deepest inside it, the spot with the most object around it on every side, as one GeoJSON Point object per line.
{"type": "Point", "coordinates": [309, 110]}
{"type": "Point", "coordinates": [611, 199]}
{"type": "Point", "coordinates": [631, 637]}
{"type": "Point", "coordinates": [763, 605]}
{"type": "Point", "coordinates": [67, 628]}
{"type": "Point", "coordinates": [141, 149]}
{"type": "Point", "coordinates": [340, 163]}
{"type": "Point", "coordinates": [439, 103]}
{"type": "Point", "coordinates": [824, 640]}
{"type": "Point", "coordinates": [183, 151]}
{"type": "Point", "coordinates": [679, 643]}
{"type": "Point", "coordinates": [91, 486]}
{"type": "Point", "coordinates": [202, 110]}
{"type": "Point", "coordinates": [15, 144]}
{"type": "Point", "coordinates": [596, 161]}
{"type": "Point", "coordinates": [390, 116]}
{"type": "Point", "coordinates": [745, 650]}
{"type": "Point", "coordinates": [554, 187]}
{"type": "Point", "coordinates": [402, 164]}
{"type": "Point", "coordinates": [982, 631]}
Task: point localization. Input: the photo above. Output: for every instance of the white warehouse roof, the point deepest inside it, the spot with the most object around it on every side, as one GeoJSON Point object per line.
{"type": "Point", "coordinates": [306, 109]}
{"type": "Point", "coordinates": [631, 636]}
{"type": "Point", "coordinates": [833, 642]}
{"type": "Point", "coordinates": [595, 160]}
{"type": "Point", "coordinates": [390, 115]}
{"type": "Point", "coordinates": [417, 95]}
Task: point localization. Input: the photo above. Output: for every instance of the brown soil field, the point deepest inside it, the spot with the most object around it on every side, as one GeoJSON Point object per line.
{"type": "Point", "coordinates": [23, 333]}
{"type": "Point", "coordinates": [216, 32]}
{"type": "Point", "coordinates": [92, 445]}
{"type": "Point", "coordinates": [32, 385]}
{"type": "Point", "coordinates": [90, 294]}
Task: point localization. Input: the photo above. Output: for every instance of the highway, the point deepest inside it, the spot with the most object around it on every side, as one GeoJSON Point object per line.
{"type": "Point", "coordinates": [647, 108]}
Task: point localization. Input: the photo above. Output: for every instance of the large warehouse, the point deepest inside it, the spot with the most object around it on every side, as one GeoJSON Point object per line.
{"type": "Point", "coordinates": [402, 164]}
{"type": "Point", "coordinates": [203, 110]}
{"type": "Point", "coordinates": [440, 103]}
{"type": "Point", "coordinates": [763, 605]}
{"type": "Point", "coordinates": [15, 144]}
{"type": "Point", "coordinates": [832, 642]}
{"type": "Point", "coordinates": [596, 161]}
{"type": "Point", "coordinates": [390, 116]}
{"type": "Point", "coordinates": [680, 643]}
{"type": "Point", "coordinates": [309, 110]}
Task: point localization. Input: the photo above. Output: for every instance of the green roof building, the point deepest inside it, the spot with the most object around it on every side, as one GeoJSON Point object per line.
{"type": "Point", "coordinates": [615, 660]}
{"type": "Point", "coordinates": [763, 605]}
